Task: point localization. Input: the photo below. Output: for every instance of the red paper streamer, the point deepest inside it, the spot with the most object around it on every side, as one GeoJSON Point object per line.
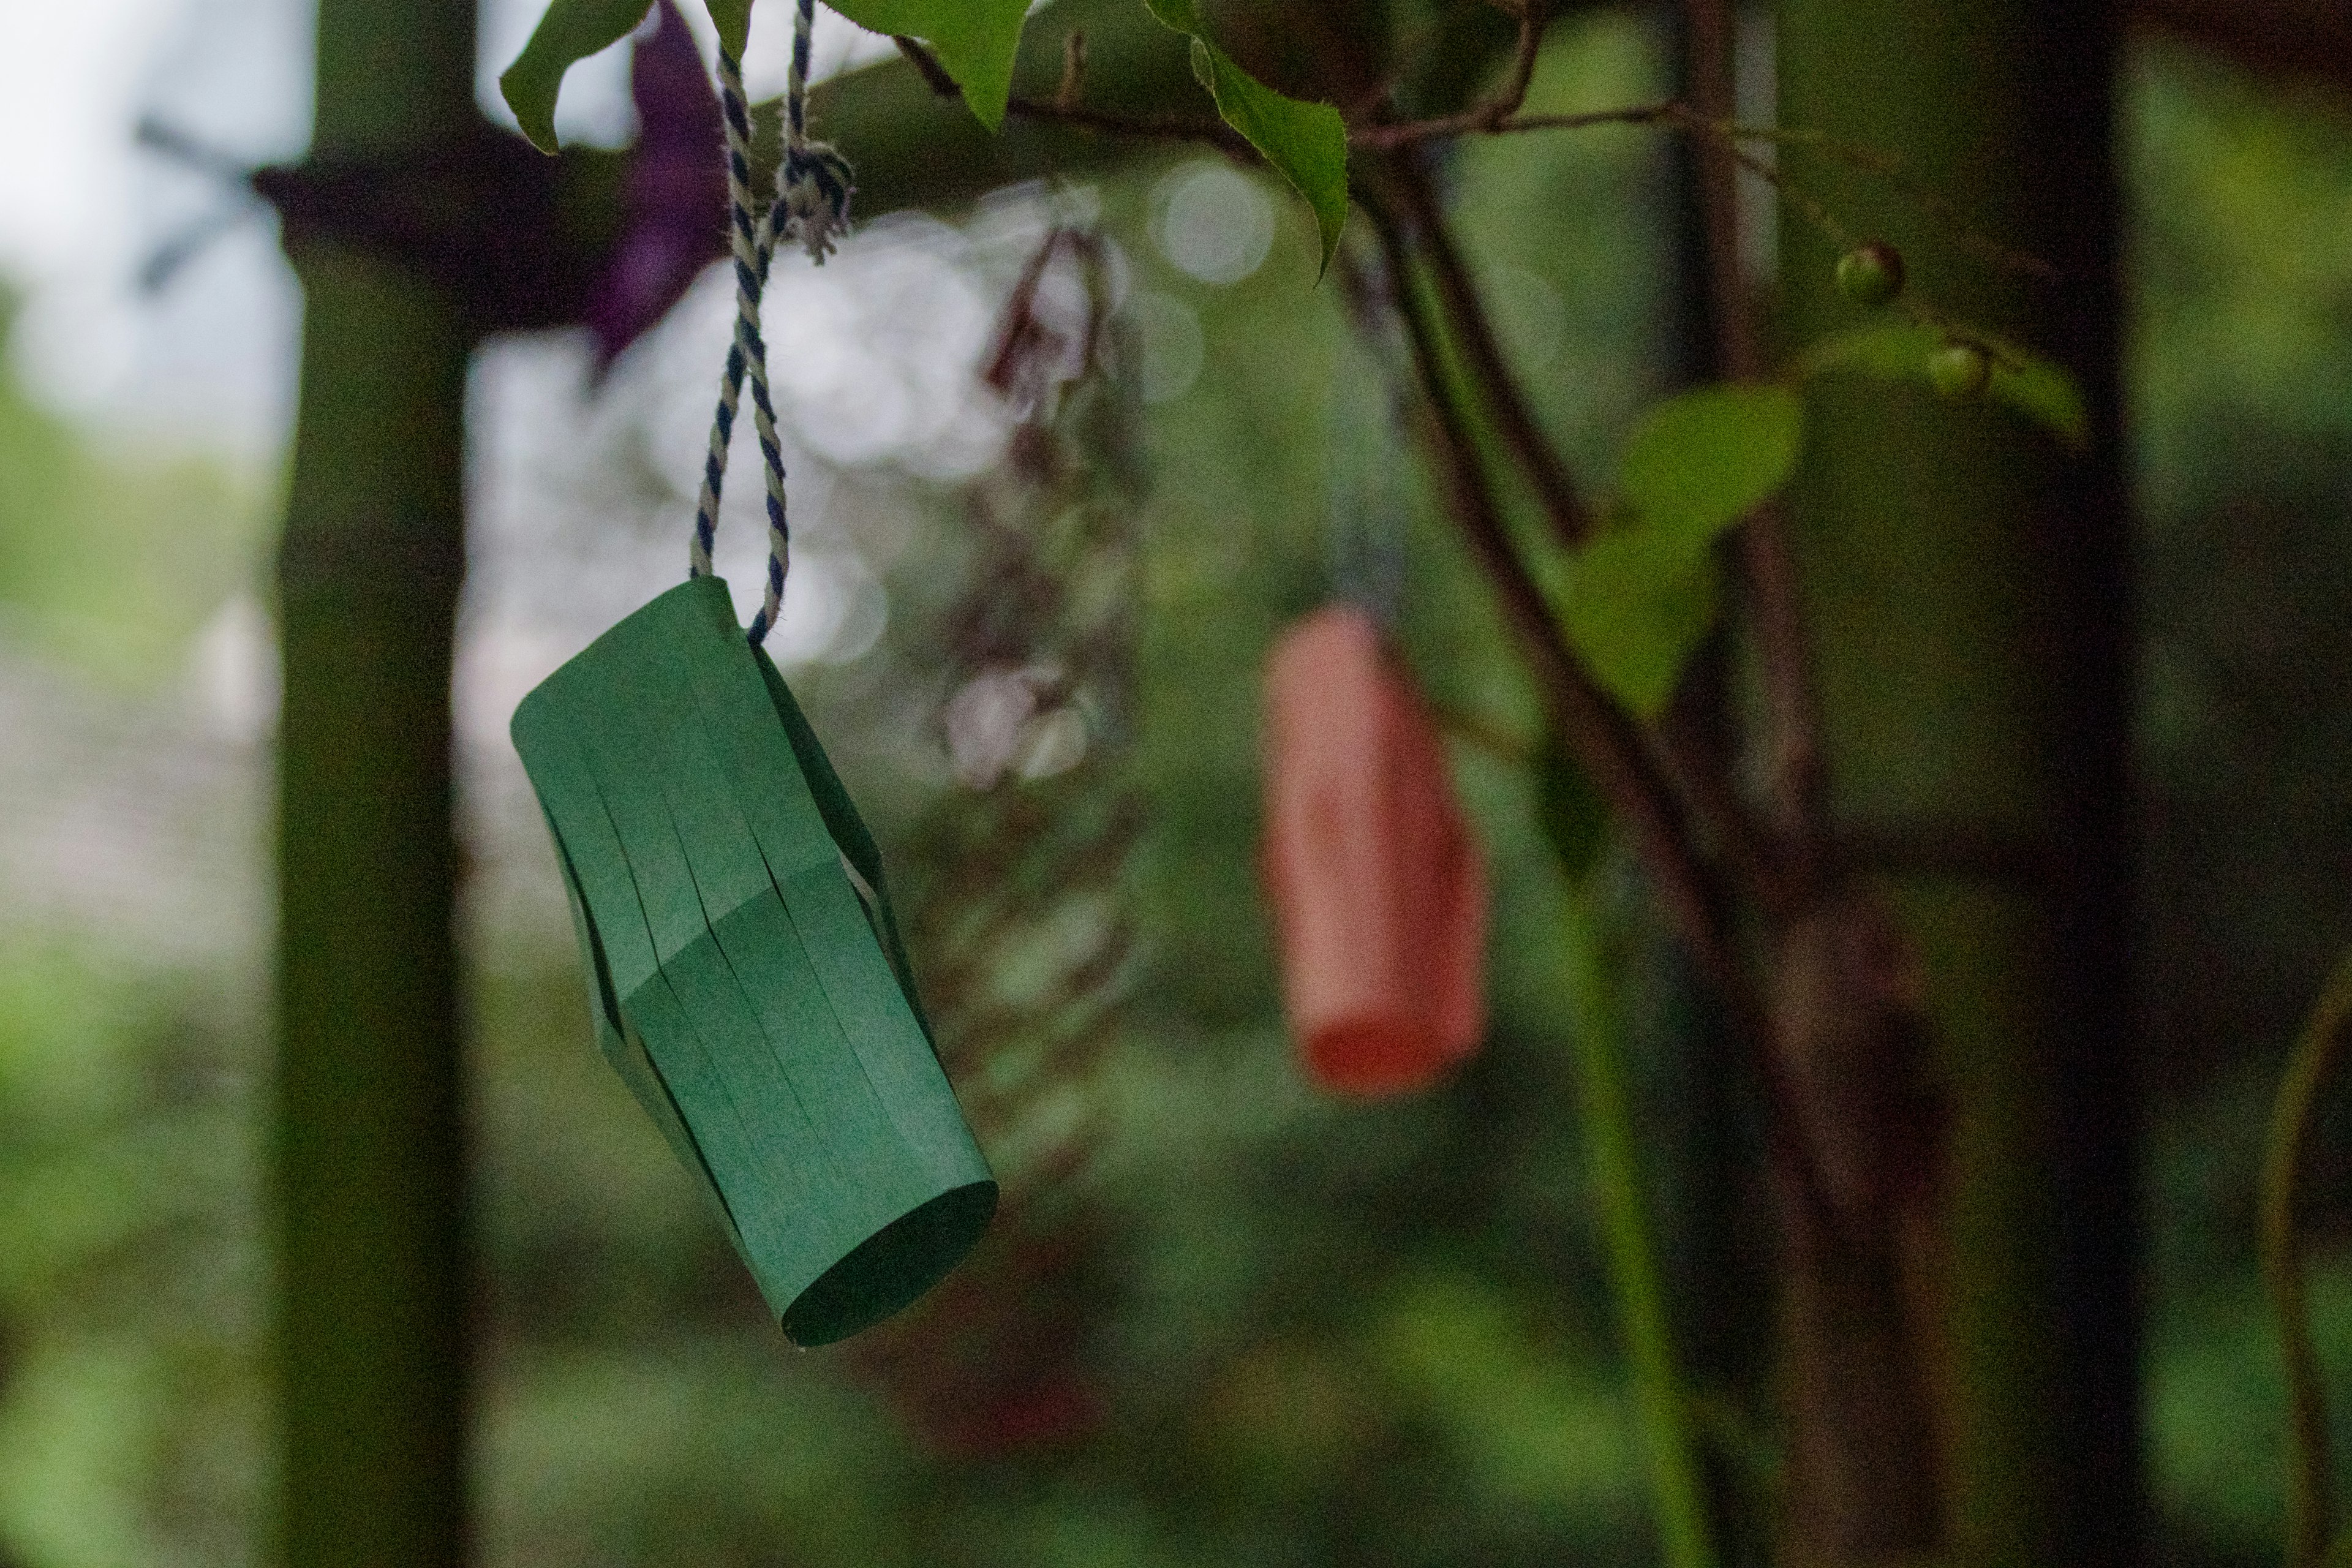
{"type": "Point", "coordinates": [1379, 890]}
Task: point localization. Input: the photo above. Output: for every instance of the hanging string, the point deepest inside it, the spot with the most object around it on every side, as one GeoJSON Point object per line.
{"type": "Point", "coordinates": [812, 182]}
{"type": "Point", "coordinates": [811, 207]}
{"type": "Point", "coordinates": [1369, 433]}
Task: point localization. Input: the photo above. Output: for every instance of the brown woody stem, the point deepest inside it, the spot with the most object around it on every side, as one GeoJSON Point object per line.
{"type": "Point", "coordinates": [2311, 1510]}
{"type": "Point", "coordinates": [1500, 390]}
{"type": "Point", "coordinates": [1794, 766]}
{"type": "Point", "coordinates": [1605, 740]}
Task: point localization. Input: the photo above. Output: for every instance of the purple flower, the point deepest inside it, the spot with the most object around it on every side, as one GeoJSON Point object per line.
{"type": "Point", "coordinates": [673, 198]}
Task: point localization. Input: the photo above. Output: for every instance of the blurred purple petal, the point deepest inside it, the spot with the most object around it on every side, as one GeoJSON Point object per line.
{"type": "Point", "coordinates": [675, 199]}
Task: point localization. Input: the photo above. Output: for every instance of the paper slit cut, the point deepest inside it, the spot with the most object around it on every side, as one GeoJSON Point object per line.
{"type": "Point", "coordinates": [1377, 889]}
{"type": "Point", "coordinates": [751, 994]}
{"type": "Point", "coordinates": [626, 1053]}
{"type": "Point", "coordinates": [715, 1058]}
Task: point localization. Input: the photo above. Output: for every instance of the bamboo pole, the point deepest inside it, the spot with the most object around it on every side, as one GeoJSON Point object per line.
{"type": "Point", "coordinates": [1967, 577]}
{"type": "Point", "coordinates": [368, 1150]}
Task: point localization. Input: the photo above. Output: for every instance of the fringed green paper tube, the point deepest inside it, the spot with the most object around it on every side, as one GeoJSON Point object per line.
{"type": "Point", "coordinates": [745, 970]}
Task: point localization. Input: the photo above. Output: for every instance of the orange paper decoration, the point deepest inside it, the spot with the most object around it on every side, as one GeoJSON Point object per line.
{"type": "Point", "coordinates": [1379, 890]}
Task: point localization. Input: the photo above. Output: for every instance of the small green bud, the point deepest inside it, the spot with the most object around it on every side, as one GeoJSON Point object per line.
{"type": "Point", "coordinates": [1871, 274]}
{"type": "Point", "coordinates": [1960, 371]}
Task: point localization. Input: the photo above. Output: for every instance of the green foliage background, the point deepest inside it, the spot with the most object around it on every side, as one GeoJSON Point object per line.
{"type": "Point", "coordinates": [1339, 1334]}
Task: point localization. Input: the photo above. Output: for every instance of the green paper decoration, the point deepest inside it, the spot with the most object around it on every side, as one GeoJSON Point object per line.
{"type": "Point", "coordinates": [745, 971]}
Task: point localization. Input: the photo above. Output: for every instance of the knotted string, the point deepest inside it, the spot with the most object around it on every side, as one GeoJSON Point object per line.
{"type": "Point", "coordinates": [812, 207]}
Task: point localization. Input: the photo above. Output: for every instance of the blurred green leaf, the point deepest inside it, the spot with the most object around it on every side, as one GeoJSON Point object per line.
{"type": "Point", "coordinates": [975, 40]}
{"type": "Point", "coordinates": [571, 31]}
{"type": "Point", "coordinates": [1569, 810]}
{"type": "Point", "coordinates": [1699, 462]}
{"type": "Point", "coordinates": [1896, 350]}
{"type": "Point", "coordinates": [1637, 602]}
{"type": "Point", "coordinates": [2037, 388]}
{"type": "Point", "coordinates": [1306, 142]}
{"type": "Point", "coordinates": [1639, 598]}
{"type": "Point", "coordinates": [733, 20]}
{"type": "Point", "coordinates": [1532, 1425]}
{"type": "Point", "coordinates": [2042, 391]}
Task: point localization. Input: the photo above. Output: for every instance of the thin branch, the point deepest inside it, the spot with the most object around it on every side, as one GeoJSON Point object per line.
{"type": "Point", "coordinates": [1725, 130]}
{"type": "Point", "coordinates": [1482, 733]}
{"type": "Point", "coordinates": [1794, 766]}
{"type": "Point", "coordinates": [1890, 167]}
{"type": "Point", "coordinates": [1466, 317]}
{"type": "Point", "coordinates": [927, 66]}
{"type": "Point", "coordinates": [1632, 114]}
{"type": "Point", "coordinates": [1684, 736]}
{"type": "Point", "coordinates": [1153, 128]}
{"type": "Point", "coordinates": [1603, 737]}
{"type": "Point", "coordinates": [1724, 822]}
{"type": "Point", "coordinates": [2310, 1500]}
{"type": "Point", "coordinates": [1074, 69]}
{"type": "Point", "coordinates": [1478, 116]}
{"type": "Point", "coordinates": [1605, 740]}
{"type": "Point", "coordinates": [1499, 115]}
{"type": "Point", "coordinates": [1063, 109]}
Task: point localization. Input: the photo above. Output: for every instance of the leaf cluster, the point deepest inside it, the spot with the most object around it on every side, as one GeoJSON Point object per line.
{"type": "Point", "coordinates": [975, 42]}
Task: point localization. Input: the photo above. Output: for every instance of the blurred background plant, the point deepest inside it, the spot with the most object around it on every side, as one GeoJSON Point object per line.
{"type": "Point", "coordinates": [1239, 1322]}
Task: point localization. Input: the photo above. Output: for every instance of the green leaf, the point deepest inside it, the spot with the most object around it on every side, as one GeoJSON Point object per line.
{"type": "Point", "coordinates": [733, 20]}
{"type": "Point", "coordinates": [1637, 602]}
{"type": "Point", "coordinates": [1893, 350]}
{"type": "Point", "coordinates": [2039, 388]}
{"type": "Point", "coordinates": [1183, 16]}
{"type": "Point", "coordinates": [975, 40]}
{"type": "Point", "coordinates": [2042, 391]}
{"type": "Point", "coordinates": [1700, 462]}
{"type": "Point", "coordinates": [1639, 597]}
{"type": "Point", "coordinates": [1306, 142]}
{"type": "Point", "coordinates": [1569, 812]}
{"type": "Point", "coordinates": [572, 30]}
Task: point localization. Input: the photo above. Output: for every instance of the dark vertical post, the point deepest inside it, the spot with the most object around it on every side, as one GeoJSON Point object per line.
{"type": "Point", "coordinates": [370, 1150]}
{"type": "Point", "coordinates": [1967, 580]}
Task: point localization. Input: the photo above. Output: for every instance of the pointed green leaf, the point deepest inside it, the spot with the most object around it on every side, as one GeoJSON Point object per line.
{"type": "Point", "coordinates": [2042, 391]}
{"type": "Point", "coordinates": [975, 40]}
{"type": "Point", "coordinates": [572, 30]}
{"type": "Point", "coordinates": [1701, 461]}
{"type": "Point", "coordinates": [1182, 15]}
{"type": "Point", "coordinates": [1638, 599]}
{"type": "Point", "coordinates": [1637, 602]}
{"type": "Point", "coordinates": [1892, 350]}
{"type": "Point", "coordinates": [2039, 388]}
{"type": "Point", "coordinates": [733, 20]}
{"type": "Point", "coordinates": [1306, 142]}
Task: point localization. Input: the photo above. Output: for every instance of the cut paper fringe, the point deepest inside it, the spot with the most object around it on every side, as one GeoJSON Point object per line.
{"type": "Point", "coordinates": [745, 970]}
{"type": "Point", "coordinates": [1379, 890]}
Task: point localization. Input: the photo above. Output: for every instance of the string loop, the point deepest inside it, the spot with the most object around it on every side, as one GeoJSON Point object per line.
{"type": "Point", "coordinates": [814, 184]}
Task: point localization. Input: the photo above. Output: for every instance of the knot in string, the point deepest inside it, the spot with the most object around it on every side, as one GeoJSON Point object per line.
{"type": "Point", "coordinates": [813, 181]}
{"type": "Point", "coordinates": [812, 209]}
{"type": "Point", "coordinates": [813, 192]}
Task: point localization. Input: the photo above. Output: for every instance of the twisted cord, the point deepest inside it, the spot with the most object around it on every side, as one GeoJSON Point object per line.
{"type": "Point", "coordinates": [722, 430]}
{"type": "Point", "coordinates": [796, 84]}
{"type": "Point", "coordinates": [812, 207]}
{"type": "Point", "coordinates": [749, 236]}
{"type": "Point", "coordinates": [814, 182]}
